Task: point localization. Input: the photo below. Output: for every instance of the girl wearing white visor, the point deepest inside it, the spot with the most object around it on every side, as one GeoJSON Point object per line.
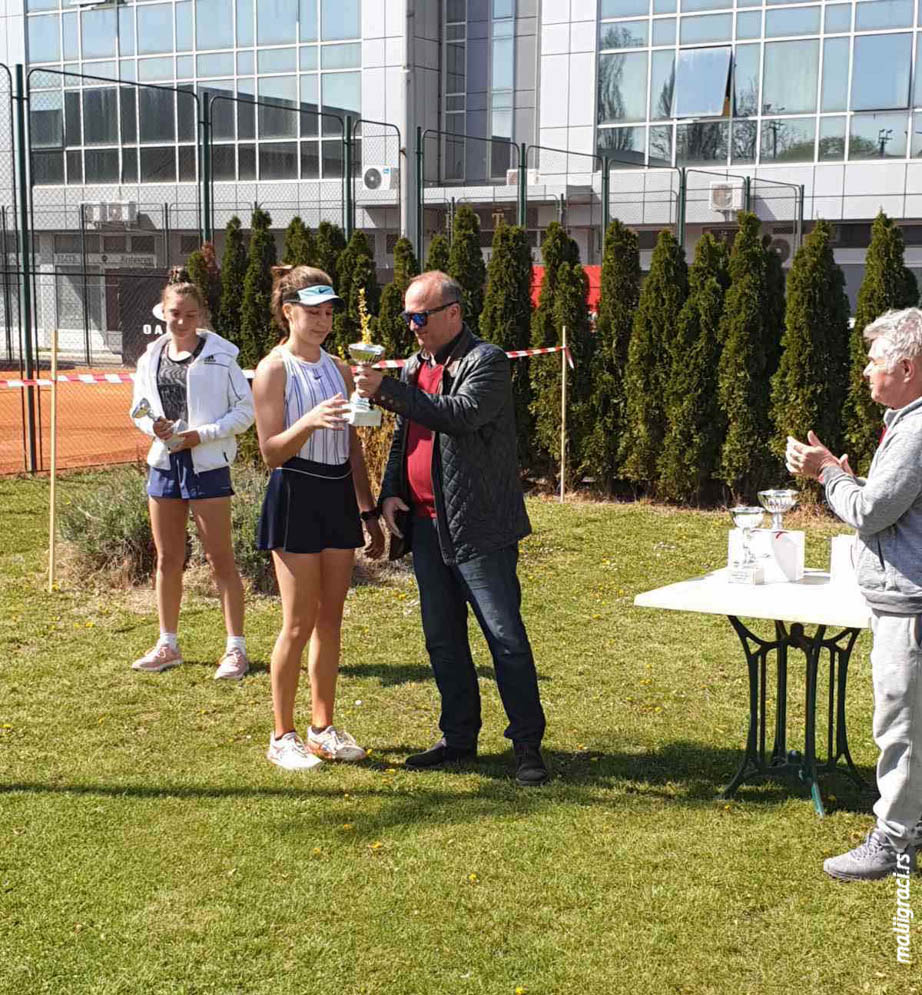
{"type": "Point", "coordinates": [316, 502]}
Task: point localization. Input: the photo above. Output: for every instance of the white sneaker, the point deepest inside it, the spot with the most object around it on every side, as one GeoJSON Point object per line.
{"type": "Point", "coordinates": [334, 744]}
{"type": "Point", "coordinates": [233, 666]}
{"type": "Point", "coordinates": [288, 753]}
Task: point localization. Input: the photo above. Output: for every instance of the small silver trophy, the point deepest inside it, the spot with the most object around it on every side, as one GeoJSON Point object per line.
{"type": "Point", "coordinates": [746, 570]}
{"type": "Point", "coordinates": [777, 502]}
{"type": "Point", "coordinates": [362, 413]}
{"type": "Point", "coordinates": [143, 410]}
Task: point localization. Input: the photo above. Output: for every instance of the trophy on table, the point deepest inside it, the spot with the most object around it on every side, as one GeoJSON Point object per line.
{"type": "Point", "coordinates": [143, 410]}
{"type": "Point", "coordinates": [361, 411]}
{"type": "Point", "coordinates": [777, 502]}
{"type": "Point", "coordinates": [745, 569]}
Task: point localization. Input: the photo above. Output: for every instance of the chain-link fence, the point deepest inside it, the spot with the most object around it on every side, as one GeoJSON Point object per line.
{"type": "Point", "coordinates": [646, 198]}
{"type": "Point", "coordinates": [378, 160]}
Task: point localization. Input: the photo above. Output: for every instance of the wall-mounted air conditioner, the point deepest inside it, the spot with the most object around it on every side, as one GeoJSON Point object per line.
{"type": "Point", "coordinates": [725, 195]}
{"type": "Point", "coordinates": [381, 178]}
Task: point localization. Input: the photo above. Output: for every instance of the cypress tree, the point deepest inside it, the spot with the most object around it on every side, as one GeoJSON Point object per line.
{"type": "Point", "coordinates": [777, 307]}
{"type": "Point", "coordinates": [887, 285]}
{"type": "Point", "coordinates": [506, 315]}
{"type": "Point", "coordinates": [557, 249]}
{"type": "Point", "coordinates": [809, 387]}
{"type": "Point", "coordinates": [648, 363]}
{"type": "Point", "coordinates": [694, 427]}
{"type": "Point", "coordinates": [748, 334]}
{"type": "Point", "coordinates": [392, 330]}
{"type": "Point", "coordinates": [257, 332]}
{"type": "Point", "coordinates": [465, 263]}
{"type": "Point", "coordinates": [299, 244]}
{"type": "Point", "coordinates": [356, 268]}
{"type": "Point", "coordinates": [620, 289]}
{"type": "Point", "coordinates": [203, 271]}
{"type": "Point", "coordinates": [233, 272]}
{"type": "Point", "coordinates": [570, 310]}
{"type": "Point", "coordinates": [438, 255]}
{"type": "Point", "coordinates": [328, 244]}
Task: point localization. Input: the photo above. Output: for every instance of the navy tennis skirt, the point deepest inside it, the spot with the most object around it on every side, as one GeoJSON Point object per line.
{"type": "Point", "coordinates": [309, 507]}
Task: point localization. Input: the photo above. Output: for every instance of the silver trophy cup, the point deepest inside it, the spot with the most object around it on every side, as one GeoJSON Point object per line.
{"type": "Point", "coordinates": [777, 502]}
{"type": "Point", "coordinates": [746, 570]}
{"type": "Point", "coordinates": [143, 410]}
{"type": "Point", "coordinates": [361, 411]}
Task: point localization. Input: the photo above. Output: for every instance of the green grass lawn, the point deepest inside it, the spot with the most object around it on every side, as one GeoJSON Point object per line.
{"type": "Point", "coordinates": [148, 847]}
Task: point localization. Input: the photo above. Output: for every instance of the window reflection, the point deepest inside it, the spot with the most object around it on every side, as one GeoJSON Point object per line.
{"type": "Point", "coordinates": [98, 33]}
{"type": "Point", "coordinates": [158, 165]}
{"type": "Point", "coordinates": [624, 34]}
{"type": "Point", "coordinates": [788, 140]}
{"type": "Point", "coordinates": [616, 8]}
{"type": "Point", "coordinates": [100, 117]}
{"type": "Point", "coordinates": [101, 165]}
{"type": "Point", "coordinates": [877, 136]}
{"type": "Point", "coordinates": [275, 21]}
{"type": "Point", "coordinates": [701, 143]}
{"type": "Point", "coordinates": [793, 21]}
{"type": "Point", "coordinates": [746, 80]}
{"type": "Point", "coordinates": [743, 141]}
{"type": "Point", "coordinates": [661, 145]}
{"type": "Point", "coordinates": [831, 146]}
{"type": "Point", "coordinates": [835, 74]}
{"type": "Point", "coordinates": [156, 115]}
{"type": "Point", "coordinates": [883, 14]}
{"type": "Point", "coordinates": [278, 161]}
{"type": "Point", "coordinates": [214, 24]}
{"type": "Point", "coordinates": [715, 27]}
{"type": "Point", "coordinates": [790, 76]}
{"type": "Point", "coordinates": [184, 36]}
{"type": "Point", "coordinates": [838, 18]}
{"type": "Point", "coordinates": [46, 120]}
{"type": "Point", "coordinates": [916, 143]}
{"type": "Point", "coordinates": [342, 94]}
{"type": "Point", "coordinates": [155, 28]}
{"type": "Point", "coordinates": [275, 122]}
{"type": "Point", "coordinates": [664, 31]}
{"type": "Point", "coordinates": [44, 44]}
{"type": "Point", "coordinates": [622, 87]}
{"type": "Point", "coordinates": [749, 24]}
{"type": "Point", "coordinates": [880, 74]}
{"type": "Point", "coordinates": [702, 81]}
{"type": "Point", "coordinates": [662, 84]}
{"type": "Point", "coordinates": [307, 17]}
{"type": "Point", "coordinates": [339, 19]}
{"type": "Point", "coordinates": [623, 144]}
{"type": "Point", "coordinates": [244, 22]}
{"type": "Point", "coordinates": [70, 30]}
{"type": "Point", "coordinates": [310, 161]}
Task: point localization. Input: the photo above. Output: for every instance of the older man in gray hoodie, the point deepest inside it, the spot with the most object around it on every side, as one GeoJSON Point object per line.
{"type": "Point", "coordinates": [886, 509]}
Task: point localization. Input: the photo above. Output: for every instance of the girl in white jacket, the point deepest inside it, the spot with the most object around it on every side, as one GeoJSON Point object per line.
{"type": "Point", "coordinates": [193, 399]}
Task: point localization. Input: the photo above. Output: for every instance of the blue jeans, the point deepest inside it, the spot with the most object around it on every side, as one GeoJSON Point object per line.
{"type": "Point", "coordinates": [490, 585]}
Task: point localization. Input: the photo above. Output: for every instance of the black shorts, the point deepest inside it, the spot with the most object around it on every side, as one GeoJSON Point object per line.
{"type": "Point", "coordinates": [309, 507]}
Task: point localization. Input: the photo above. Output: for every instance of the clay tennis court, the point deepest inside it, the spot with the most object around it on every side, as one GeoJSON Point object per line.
{"type": "Point", "coordinates": [93, 424]}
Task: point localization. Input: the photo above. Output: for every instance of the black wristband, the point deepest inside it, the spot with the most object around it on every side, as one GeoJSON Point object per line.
{"type": "Point", "coordinates": [367, 516]}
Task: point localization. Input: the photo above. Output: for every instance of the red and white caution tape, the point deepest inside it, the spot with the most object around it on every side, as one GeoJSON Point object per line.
{"type": "Point", "coordinates": [116, 378]}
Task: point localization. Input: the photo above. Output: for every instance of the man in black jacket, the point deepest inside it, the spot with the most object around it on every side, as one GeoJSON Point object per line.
{"type": "Point", "coordinates": [451, 492]}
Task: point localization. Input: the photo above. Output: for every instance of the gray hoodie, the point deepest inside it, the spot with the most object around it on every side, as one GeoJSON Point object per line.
{"type": "Point", "coordinates": [886, 509]}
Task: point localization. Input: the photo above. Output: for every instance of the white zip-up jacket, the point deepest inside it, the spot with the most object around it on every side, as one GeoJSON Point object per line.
{"type": "Point", "coordinates": [218, 399]}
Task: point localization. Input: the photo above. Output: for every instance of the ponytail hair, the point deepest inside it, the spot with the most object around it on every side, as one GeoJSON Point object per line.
{"type": "Point", "coordinates": [286, 281]}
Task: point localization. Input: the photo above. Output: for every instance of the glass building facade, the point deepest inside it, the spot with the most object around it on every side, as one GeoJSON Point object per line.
{"type": "Point", "coordinates": [304, 55]}
{"type": "Point", "coordinates": [713, 83]}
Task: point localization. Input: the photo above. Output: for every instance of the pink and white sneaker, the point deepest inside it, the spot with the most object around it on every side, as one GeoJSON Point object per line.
{"type": "Point", "coordinates": [161, 657]}
{"type": "Point", "coordinates": [233, 666]}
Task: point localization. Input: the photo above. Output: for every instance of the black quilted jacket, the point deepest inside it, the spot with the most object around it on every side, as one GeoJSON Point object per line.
{"type": "Point", "coordinates": [475, 472]}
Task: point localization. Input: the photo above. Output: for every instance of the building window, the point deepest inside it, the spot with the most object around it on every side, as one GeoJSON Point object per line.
{"type": "Point", "coordinates": [877, 136]}
{"type": "Point", "coordinates": [44, 43]}
{"type": "Point", "coordinates": [622, 87]}
{"type": "Point", "coordinates": [788, 140]}
{"type": "Point", "coordinates": [702, 83]}
{"type": "Point", "coordinates": [339, 19]}
{"type": "Point", "coordinates": [155, 28]}
{"type": "Point", "coordinates": [872, 87]}
{"type": "Point", "coordinates": [702, 143]}
{"type": "Point", "coordinates": [214, 24]}
{"type": "Point", "coordinates": [789, 77]}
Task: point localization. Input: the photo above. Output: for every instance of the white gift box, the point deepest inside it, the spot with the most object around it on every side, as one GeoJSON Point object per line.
{"type": "Point", "coordinates": [842, 560]}
{"type": "Point", "coordinates": [779, 553]}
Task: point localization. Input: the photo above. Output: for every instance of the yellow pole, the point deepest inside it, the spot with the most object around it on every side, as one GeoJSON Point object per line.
{"type": "Point", "coordinates": [54, 456]}
{"type": "Point", "coordinates": [563, 415]}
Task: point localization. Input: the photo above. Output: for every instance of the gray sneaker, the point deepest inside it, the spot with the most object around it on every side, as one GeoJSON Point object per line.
{"type": "Point", "coordinates": [875, 858]}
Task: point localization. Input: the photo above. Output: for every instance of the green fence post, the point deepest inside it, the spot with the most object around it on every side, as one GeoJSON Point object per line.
{"type": "Point", "coordinates": [800, 218]}
{"type": "Point", "coordinates": [606, 196]}
{"type": "Point", "coordinates": [25, 250]}
{"type": "Point", "coordinates": [747, 193]}
{"type": "Point", "coordinates": [419, 194]}
{"type": "Point", "coordinates": [680, 220]}
{"type": "Point", "coordinates": [523, 183]}
{"type": "Point", "coordinates": [347, 166]}
{"type": "Point", "coordinates": [208, 221]}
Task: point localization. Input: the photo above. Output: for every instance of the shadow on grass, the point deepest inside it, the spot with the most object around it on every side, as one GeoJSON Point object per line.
{"type": "Point", "coordinates": [256, 666]}
{"type": "Point", "coordinates": [683, 773]}
{"type": "Point", "coordinates": [402, 673]}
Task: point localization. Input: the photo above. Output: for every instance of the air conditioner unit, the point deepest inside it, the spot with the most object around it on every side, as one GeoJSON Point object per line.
{"type": "Point", "coordinates": [532, 177]}
{"type": "Point", "coordinates": [782, 246]}
{"type": "Point", "coordinates": [381, 178]}
{"type": "Point", "coordinates": [104, 212]}
{"type": "Point", "coordinates": [725, 195]}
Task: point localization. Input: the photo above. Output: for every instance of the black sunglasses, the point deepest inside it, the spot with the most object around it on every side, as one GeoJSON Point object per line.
{"type": "Point", "coordinates": [421, 318]}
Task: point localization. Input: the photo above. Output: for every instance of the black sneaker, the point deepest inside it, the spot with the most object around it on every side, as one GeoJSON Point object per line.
{"type": "Point", "coordinates": [530, 769]}
{"type": "Point", "coordinates": [439, 755]}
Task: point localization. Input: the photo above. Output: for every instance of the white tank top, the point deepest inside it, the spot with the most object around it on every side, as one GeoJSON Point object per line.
{"type": "Point", "coordinates": [306, 385]}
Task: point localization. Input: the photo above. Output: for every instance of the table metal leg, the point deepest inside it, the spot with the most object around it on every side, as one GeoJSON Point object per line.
{"type": "Point", "coordinates": [783, 762]}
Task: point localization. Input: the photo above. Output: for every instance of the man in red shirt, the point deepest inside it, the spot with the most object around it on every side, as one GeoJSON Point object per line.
{"type": "Point", "coordinates": [453, 473]}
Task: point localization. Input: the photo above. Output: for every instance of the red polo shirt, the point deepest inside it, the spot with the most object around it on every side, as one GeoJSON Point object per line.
{"type": "Point", "coordinates": [419, 448]}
